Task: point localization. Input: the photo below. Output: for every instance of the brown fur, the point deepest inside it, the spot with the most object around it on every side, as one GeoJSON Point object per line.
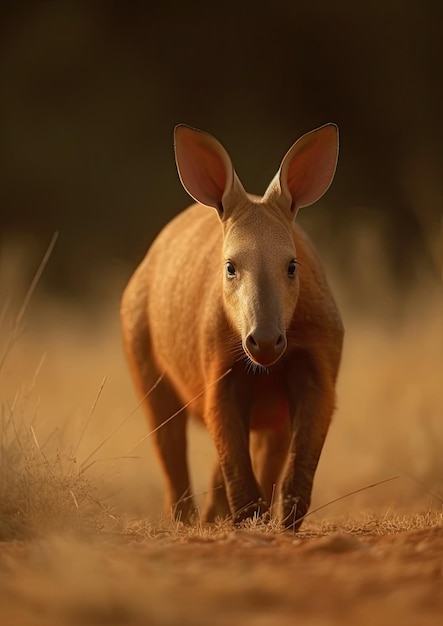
{"type": "Point", "coordinates": [186, 320]}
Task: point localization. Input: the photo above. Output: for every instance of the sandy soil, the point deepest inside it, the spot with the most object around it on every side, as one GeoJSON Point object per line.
{"type": "Point", "coordinates": [244, 576]}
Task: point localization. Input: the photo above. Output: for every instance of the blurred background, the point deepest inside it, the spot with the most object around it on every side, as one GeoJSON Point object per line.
{"type": "Point", "coordinates": [90, 94]}
{"type": "Point", "coordinates": [91, 91]}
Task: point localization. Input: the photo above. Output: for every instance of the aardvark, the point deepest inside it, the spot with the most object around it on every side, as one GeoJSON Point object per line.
{"type": "Point", "coordinates": [230, 313]}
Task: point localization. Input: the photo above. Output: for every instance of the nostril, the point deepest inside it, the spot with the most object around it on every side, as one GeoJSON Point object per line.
{"type": "Point", "coordinates": [251, 342]}
{"type": "Point", "coordinates": [280, 342]}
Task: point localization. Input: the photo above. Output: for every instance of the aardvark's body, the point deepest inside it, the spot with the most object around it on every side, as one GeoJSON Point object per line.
{"type": "Point", "coordinates": [230, 309]}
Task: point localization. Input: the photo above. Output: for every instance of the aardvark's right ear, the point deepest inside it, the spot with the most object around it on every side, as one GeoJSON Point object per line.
{"type": "Point", "coordinates": [204, 167]}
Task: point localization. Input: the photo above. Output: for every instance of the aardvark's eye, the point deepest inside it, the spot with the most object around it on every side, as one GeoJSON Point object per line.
{"type": "Point", "coordinates": [291, 268]}
{"type": "Point", "coordinates": [230, 269]}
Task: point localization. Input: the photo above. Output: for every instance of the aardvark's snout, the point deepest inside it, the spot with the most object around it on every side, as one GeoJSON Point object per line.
{"type": "Point", "coordinates": [264, 346]}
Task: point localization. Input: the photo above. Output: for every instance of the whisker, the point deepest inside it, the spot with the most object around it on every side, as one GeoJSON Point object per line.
{"type": "Point", "coordinates": [253, 368]}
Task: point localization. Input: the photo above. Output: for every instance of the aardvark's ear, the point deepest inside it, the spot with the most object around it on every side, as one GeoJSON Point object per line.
{"type": "Point", "coordinates": [306, 171]}
{"type": "Point", "coordinates": [204, 167]}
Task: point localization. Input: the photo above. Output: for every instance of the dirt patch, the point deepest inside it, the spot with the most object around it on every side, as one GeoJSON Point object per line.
{"type": "Point", "coordinates": [242, 576]}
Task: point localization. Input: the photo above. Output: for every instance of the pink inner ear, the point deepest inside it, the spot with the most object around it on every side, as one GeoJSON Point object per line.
{"type": "Point", "coordinates": [308, 172]}
{"type": "Point", "coordinates": [208, 172]}
{"type": "Point", "coordinates": [201, 166]}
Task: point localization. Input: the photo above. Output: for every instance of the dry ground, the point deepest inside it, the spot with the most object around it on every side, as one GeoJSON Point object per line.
{"type": "Point", "coordinates": [82, 539]}
{"type": "Point", "coordinates": [243, 576]}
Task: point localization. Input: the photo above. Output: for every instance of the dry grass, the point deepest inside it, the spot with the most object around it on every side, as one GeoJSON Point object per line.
{"type": "Point", "coordinates": [41, 491]}
{"type": "Point", "coordinates": [70, 418]}
{"type": "Point", "coordinates": [60, 415]}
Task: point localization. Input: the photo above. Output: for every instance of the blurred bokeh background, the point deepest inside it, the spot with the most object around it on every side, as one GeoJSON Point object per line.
{"type": "Point", "coordinates": [90, 93]}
